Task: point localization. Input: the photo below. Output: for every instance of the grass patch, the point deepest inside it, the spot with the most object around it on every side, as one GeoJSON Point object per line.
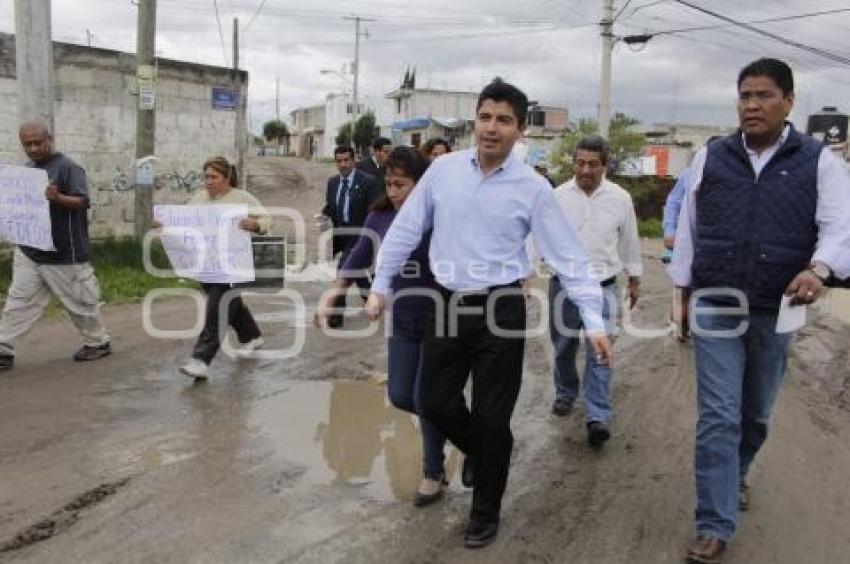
{"type": "Point", "coordinates": [120, 270]}
{"type": "Point", "coordinates": [651, 228]}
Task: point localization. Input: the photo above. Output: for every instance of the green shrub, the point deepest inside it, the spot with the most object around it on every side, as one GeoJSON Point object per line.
{"type": "Point", "coordinates": [650, 228]}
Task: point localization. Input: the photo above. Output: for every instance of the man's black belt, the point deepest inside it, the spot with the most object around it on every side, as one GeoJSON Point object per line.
{"type": "Point", "coordinates": [608, 281]}
{"type": "Point", "coordinates": [469, 297]}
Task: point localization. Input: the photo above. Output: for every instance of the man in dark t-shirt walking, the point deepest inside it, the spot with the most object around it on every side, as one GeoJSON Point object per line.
{"type": "Point", "coordinates": [65, 272]}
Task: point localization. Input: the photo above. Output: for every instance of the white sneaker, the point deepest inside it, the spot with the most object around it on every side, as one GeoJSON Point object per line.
{"type": "Point", "coordinates": [248, 348]}
{"type": "Point", "coordinates": [195, 368]}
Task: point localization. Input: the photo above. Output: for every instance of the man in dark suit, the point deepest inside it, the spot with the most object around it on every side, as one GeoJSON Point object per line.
{"type": "Point", "coordinates": [375, 165]}
{"type": "Point", "coordinates": [349, 195]}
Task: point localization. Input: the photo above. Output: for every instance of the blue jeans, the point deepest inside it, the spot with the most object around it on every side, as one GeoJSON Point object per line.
{"type": "Point", "coordinates": [738, 379]}
{"type": "Point", "coordinates": [597, 377]}
{"type": "Point", "coordinates": [404, 357]}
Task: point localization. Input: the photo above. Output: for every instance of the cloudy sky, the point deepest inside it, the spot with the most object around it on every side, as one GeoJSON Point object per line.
{"type": "Point", "coordinates": [550, 48]}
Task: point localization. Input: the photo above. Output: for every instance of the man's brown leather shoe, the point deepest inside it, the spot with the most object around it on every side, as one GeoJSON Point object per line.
{"type": "Point", "coordinates": [706, 550]}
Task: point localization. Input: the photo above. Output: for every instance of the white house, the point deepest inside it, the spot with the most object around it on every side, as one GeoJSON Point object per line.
{"type": "Point", "coordinates": [412, 115]}
{"type": "Point", "coordinates": [308, 131]}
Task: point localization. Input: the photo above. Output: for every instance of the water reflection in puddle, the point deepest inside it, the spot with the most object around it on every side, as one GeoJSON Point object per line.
{"type": "Point", "coordinates": [345, 433]}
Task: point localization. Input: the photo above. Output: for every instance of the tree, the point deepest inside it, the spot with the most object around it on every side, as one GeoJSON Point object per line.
{"type": "Point", "coordinates": [624, 142]}
{"type": "Point", "coordinates": [365, 132]}
{"type": "Point", "coordinates": [344, 135]}
{"type": "Point", "coordinates": [275, 130]}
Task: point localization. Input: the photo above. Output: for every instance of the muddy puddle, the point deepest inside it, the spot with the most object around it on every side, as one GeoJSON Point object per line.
{"type": "Point", "coordinates": [345, 434]}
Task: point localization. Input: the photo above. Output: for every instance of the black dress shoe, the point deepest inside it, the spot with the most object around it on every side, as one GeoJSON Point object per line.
{"type": "Point", "coordinates": [479, 534]}
{"type": "Point", "coordinates": [467, 475]}
{"type": "Point", "coordinates": [335, 321]}
{"type": "Point", "coordinates": [597, 433]}
{"type": "Point", "coordinates": [7, 361]}
{"type": "Point", "coordinates": [561, 407]}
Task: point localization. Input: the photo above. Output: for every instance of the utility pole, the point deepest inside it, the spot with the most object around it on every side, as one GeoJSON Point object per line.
{"type": "Point", "coordinates": [607, 25]}
{"type": "Point", "coordinates": [357, 35]}
{"type": "Point", "coordinates": [235, 43]}
{"type": "Point", "coordinates": [145, 113]}
{"type": "Point", "coordinates": [88, 37]}
{"type": "Point", "coordinates": [277, 97]}
{"type": "Point", "coordinates": [34, 62]}
{"type": "Point", "coordinates": [240, 107]}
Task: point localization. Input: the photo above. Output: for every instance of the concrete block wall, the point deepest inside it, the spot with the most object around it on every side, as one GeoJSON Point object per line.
{"type": "Point", "coordinates": [96, 123]}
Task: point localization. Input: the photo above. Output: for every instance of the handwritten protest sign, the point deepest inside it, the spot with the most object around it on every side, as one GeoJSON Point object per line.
{"type": "Point", "coordinates": [205, 243]}
{"type": "Point", "coordinates": [24, 211]}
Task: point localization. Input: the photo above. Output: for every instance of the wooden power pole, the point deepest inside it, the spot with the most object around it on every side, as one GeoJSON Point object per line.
{"type": "Point", "coordinates": [241, 105]}
{"type": "Point", "coordinates": [145, 114]}
{"type": "Point", "coordinates": [34, 62]}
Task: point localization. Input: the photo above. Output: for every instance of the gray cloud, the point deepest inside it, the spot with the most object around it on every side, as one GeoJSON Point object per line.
{"type": "Point", "coordinates": [539, 44]}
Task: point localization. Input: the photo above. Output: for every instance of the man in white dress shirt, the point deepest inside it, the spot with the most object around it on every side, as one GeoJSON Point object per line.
{"type": "Point", "coordinates": [766, 215]}
{"type": "Point", "coordinates": [603, 216]}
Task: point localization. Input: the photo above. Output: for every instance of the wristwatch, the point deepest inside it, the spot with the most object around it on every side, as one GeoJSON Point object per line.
{"type": "Point", "coordinates": [822, 271]}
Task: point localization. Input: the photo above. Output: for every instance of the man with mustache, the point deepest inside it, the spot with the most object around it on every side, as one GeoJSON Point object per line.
{"type": "Point", "coordinates": [603, 216]}
{"type": "Point", "coordinates": [766, 214]}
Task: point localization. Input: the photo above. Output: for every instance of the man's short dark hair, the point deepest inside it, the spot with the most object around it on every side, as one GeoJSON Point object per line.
{"type": "Point", "coordinates": [595, 144]}
{"type": "Point", "coordinates": [380, 143]}
{"type": "Point", "coordinates": [340, 149]}
{"type": "Point", "coordinates": [774, 69]}
{"type": "Point", "coordinates": [500, 91]}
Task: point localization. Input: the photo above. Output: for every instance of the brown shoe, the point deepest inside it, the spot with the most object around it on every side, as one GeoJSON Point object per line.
{"type": "Point", "coordinates": [706, 550]}
{"type": "Point", "coordinates": [744, 496]}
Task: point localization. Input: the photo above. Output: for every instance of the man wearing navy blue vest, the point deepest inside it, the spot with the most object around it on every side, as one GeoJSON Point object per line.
{"type": "Point", "coordinates": [766, 214]}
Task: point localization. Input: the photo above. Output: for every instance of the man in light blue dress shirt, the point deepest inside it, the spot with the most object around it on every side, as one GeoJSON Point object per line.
{"type": "Point", "coordinates": [672, 206]}
{"type": "Point", "coordinates": [482, 203]}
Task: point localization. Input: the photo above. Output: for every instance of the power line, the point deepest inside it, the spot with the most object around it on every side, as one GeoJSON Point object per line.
{"type": "Point", "coordinates": [409, 12]}
{"type": "Point", "coordinates": [621, 10]}
{"type": "Point", "coordinates": [220, 33]}
{"type": "Point", "coordinates": [485, 34]}
{"type": "Point", "coordinates": [767, 20]}
{"type": "Point", "coordinates": [821, 52]}
{"type": "Point", "coordinates": [256, 13]}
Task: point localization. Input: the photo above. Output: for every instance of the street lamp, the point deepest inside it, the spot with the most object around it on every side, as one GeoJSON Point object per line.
{"type": "Point", "coordinates": [335, 73]}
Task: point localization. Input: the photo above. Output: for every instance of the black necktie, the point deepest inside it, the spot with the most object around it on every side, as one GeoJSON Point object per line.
{"type": "Point", "coordinates": [342, 197]}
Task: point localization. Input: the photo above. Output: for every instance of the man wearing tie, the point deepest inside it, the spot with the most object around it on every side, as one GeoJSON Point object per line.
{"type": "Point", "coordinates": [376, 164]}
{"type": "Point", "coordinates": [349, 195]}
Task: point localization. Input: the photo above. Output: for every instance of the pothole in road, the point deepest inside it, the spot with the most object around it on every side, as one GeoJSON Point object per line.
{"type": "Point", "coordinates": [345, 434]}
{"type": "Point", "coordinates": [62, 519]}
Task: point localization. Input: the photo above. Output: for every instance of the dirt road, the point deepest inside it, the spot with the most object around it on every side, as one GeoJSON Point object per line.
{"type": "Point", "coordinates": [302, 460]}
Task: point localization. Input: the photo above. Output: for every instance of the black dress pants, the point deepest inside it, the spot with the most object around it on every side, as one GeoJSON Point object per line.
{"type": "Point", "coordinates": [363, 285]}
{"type": "Point", "coordinates": [238, 316]}
{"type": "Point", "coordinates": [484, 432]}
